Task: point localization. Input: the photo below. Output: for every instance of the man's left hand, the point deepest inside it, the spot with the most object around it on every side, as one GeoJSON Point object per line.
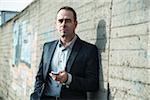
{"type": "Point", "coordinates": [61, 77]}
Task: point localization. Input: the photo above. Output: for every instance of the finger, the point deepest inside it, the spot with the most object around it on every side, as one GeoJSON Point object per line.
{"type": "Point", "coordinates": [53, 76]}
{"type": "Point", "coordinates": [63, 73]}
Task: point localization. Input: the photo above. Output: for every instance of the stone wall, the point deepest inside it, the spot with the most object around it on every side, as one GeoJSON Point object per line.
{"type": "Point", "coordinates": [119, 28]}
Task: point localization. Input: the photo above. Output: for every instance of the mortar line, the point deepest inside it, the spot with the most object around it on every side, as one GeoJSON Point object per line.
{"type": "Point", "coordinates": [110, 23]}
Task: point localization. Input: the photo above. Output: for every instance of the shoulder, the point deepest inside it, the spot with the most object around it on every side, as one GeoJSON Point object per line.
{"type": "Point", "coordinates": [50, 43]}
{"type": "Point", "coordinates": [88, 45]}
{"type": "Point", "coordinates": [88, 49]}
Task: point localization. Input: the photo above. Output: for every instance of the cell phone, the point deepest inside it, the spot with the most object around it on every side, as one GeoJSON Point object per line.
{"type": "Point", "coordinates": [55, 73]}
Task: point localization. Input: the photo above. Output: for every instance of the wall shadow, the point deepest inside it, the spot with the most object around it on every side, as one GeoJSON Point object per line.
{"type": "Point", "coordinates": [101, 40]}
{"type": "Point", "coordinates": [1, 98]}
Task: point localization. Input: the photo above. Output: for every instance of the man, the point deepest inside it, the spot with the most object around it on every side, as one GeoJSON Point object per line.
{"type": "Point", "coordinates": [69, 66]}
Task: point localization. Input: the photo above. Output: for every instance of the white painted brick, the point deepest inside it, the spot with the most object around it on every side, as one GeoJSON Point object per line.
{"type": "Point", "coordinates": [88, 25]}
{"type": "Point", "coordinates": [132, 74]}
{"type": "Point", "coordinates": [129, 58]}
{"type": "Point", "coordinates": [130, 43]}
{"type": "Point", "coordinates": [126, 6]}
{"type": "Point", "coordinates": [129, 87]}
{"type": "Point", "coordinates": [102, 12]}
{"type": "Point", "coordinates": [130, 18]}
{"type": "Point", "coordinates": [78, 3]}
{"type": "Point", "coordinates": [85, 7]}
{"type": "Point", "coordinates": [149, 47]}
{"type": "Point", "coordinates": [132, 30]}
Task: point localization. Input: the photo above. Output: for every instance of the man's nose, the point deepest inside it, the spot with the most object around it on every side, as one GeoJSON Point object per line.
{"type": "Point", "coordinates": [63, 23]}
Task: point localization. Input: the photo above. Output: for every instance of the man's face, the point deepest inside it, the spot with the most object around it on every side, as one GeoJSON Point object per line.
{"type": "Point", "coordinates": [65, 23]}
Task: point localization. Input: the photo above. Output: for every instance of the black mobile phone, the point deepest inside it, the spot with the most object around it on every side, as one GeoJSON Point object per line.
{"type": "Point", "coordinates": [55, 73]}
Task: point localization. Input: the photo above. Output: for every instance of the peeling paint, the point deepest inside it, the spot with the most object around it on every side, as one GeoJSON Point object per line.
{"type": "Point", "coordinates": [21, 44]}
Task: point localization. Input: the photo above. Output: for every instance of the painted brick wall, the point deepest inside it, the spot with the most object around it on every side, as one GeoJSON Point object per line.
{"type": "Point", "coordinates": [119, 28]}
{"type": "Point", "coordinates": [129, 69]}
{"type": "Point", "coordinates": [5, 54]}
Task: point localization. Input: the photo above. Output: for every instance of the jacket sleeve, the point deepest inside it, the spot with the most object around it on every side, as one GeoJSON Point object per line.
{"type": "Point", "coordinates": [39, 82]}
{"type": "Point", "coordinates": [89, 81]}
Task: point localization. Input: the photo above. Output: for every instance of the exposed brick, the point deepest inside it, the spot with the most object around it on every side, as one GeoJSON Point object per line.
{"type": "Point", "coordinates": [122, 38]}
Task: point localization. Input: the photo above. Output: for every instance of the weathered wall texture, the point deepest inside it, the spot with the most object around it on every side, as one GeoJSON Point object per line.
{"type": "Point", "coordinates": [119, 28]}
{"type": "Point", "coordinates": [129, 69]}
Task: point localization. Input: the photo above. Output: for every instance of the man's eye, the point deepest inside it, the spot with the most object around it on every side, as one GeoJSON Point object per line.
{"type": "Point", "coordinates": [65, 20]}
{"type": "Point", "coordinates": [68, 20]}
{"type": "Point", "coordinates": [60, 21]}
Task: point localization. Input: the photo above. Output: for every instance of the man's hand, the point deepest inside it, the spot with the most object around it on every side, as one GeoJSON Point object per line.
{"type": "Point", "coordinates": [61, 76]}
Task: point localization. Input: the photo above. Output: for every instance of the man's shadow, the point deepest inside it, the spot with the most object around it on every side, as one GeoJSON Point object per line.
{"type": "Point", "coordinates": [1, 98]}
{"type": "Point", "coordinates": [101, 40]}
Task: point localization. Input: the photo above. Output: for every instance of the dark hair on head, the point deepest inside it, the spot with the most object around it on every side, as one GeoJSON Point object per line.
{"type": "Point", "coordinates": [70, 9]}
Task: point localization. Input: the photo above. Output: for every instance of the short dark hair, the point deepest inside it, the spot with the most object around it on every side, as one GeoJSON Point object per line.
{"type": "Point", "coordinates": [70, 9]}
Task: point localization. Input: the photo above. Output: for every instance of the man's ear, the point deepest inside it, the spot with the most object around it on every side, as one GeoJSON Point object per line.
{"type": "Point", "coordinates": [55, 24]}
{"type": "Point", "coordinates": [76, 23]}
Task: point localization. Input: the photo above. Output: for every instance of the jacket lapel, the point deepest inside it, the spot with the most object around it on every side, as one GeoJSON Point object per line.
{"type": "Point", "coordinates": [73, 54]}
{"type": "Point", "coordinates": [50, 53]}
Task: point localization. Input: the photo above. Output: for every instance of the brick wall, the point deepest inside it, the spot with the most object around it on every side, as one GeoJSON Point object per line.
{"type": "Point", "coordinates": [129, 60]}
{"type": "Point", "coordinates": [119, 28]}
{"type": "Point", "coordinates": [5, 54]}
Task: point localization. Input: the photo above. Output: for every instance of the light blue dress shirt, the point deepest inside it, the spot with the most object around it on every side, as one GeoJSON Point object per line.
{"type": "Point", "coordinates": [58, 63]}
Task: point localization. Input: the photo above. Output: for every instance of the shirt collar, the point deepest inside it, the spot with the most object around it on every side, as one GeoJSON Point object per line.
{"type": "Point", "coordinates": [68, 45]}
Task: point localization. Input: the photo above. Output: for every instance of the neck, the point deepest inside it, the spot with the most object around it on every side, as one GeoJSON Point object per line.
{"type": "Point", "coordinates": [66, 40]}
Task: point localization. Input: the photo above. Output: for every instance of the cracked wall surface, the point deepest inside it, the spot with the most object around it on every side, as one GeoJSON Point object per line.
{"type": "Point", "coordinates": [119, 28]}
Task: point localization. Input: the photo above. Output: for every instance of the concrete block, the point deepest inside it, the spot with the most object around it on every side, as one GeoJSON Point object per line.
{"type": "Point", "coordinates": [129, 87]}
{"type": "Point", "coordinates": [130, 43]}
{"type": "Point", "coordinates": [128, 53]}
{"type": "Point", "coordinates": [131, 18]}
{"type": "Point", "coordinates": [132, 74]}
{"type": "Point", "coordinates": [126, 6]}
{"type": "Point", "coordinates": [129, 58]}
{"type": "Point", "coordinates": [130, 31]}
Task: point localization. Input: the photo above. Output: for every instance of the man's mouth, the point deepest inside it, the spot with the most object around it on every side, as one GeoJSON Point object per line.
{"type": "Point", "coordinates": [63, 34]}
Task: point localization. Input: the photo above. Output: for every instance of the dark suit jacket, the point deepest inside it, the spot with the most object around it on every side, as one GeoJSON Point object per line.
{"type": "Point", "coordinates": [83, 65]}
